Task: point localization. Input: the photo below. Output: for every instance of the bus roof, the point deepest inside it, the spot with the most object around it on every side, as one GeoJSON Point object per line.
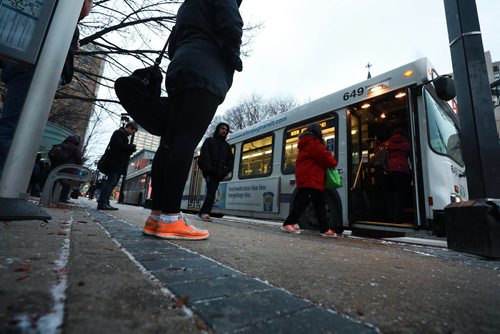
{"type": "Point", "coordinates": [391, 80]}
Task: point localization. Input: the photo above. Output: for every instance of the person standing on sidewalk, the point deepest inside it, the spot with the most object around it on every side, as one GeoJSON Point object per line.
{"type": "Point", "coordinates": [71, 154]}
{"type": "Point", "coordinates": [204, 52]}
{"type": "Point", "coordinates": [216, 161]}
{"type": "Point", "coordinates": [114, 162]}
{"type": "Point", "coordinates": [311, 164]}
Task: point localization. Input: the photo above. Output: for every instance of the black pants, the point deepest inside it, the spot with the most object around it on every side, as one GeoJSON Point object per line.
{"type": "Point", "coordinates": [398, 186]}
{"type": "Point", "coordinates": [208, 203]}
{"type": "Point", "coordinates": [191, 113]}
{"type": "Point", "coordinates": [302, 200]}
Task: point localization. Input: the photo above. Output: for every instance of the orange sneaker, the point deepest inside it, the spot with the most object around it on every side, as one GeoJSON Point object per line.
{"type": "Point", "coordinates": [150, 227]}
{"type": "Point", "coordinates": [179, 229]}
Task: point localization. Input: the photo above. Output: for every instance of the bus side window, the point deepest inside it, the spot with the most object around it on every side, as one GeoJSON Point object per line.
{"type": "Point", "coordinates": [256, 158]}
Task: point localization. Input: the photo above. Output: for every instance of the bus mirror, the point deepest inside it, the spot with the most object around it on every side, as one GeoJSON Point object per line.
{"type": "Point", "coordinates": [445, 88]}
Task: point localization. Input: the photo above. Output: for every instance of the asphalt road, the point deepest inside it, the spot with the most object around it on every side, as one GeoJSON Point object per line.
{"type": "Point", "coordinates": [397, 287]}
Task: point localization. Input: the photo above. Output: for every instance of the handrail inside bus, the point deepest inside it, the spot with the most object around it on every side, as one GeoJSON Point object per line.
{"type": "Point", "coordinates": [357, 174]}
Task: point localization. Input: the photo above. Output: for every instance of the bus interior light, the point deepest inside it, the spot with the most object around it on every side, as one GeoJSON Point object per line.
{"type": "Point", "coordinates": [365, 106]}
{"type": "Point", "coordinates": [378, 88]}
{"type": "Point", "coordinates": [400, 95]}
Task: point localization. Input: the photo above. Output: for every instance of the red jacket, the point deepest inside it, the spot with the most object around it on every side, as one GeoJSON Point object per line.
{"type": "Point", "coordinates": [398, 150]}
{"type": "Point", "coordinates": [312, 161]}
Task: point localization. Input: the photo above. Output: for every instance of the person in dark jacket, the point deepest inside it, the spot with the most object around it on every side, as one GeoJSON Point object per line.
{"type": "Point", "coordinates": [72, 146]}
{"type": "Point", "coordinates": [114, 162]}
{"type": "Point", "coordinates": [312, 161]}
{"type": "Point", "coordinates": [204, 52]}
{"type": "Point", "coordinates": [216, 161]}
{"type": "Point", "coordinates": [397, 174]}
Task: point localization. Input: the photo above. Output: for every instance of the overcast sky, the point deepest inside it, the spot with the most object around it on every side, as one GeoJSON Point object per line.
{"type": "Point", "coordinates": [308, 49]}
{"type": "Point", "coordinates": [311, 48]}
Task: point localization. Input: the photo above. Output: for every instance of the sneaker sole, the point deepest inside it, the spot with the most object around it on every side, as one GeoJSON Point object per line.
{"type": "Point", "coordinates": [148, 233]}
{"type": "Point", "coordinates": [286, 231]}
{"type": "Point", "coordinates": [181, 237]}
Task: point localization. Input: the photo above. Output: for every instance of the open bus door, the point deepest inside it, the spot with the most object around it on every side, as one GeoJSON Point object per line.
{"type": "Point", "coordinates": [194, 196]}
{"type": "Point", "coordinates": [371, 206]}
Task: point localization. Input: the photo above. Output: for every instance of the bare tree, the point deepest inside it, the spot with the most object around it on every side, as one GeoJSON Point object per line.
{"type": "Point", "coordinates": [252, 110]}
{"type": "Point", "coordinates": [125, 35]}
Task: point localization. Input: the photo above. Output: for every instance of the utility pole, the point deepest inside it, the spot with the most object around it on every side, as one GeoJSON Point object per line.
{"type": "Point", "coordinates": [474, 226]}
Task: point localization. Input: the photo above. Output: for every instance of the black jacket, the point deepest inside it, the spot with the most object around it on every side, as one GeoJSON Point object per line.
{"type": "Point", "coordinates": [204, 47]}
{"type": "Point", "coordinates": [216, 158]}
{"type": "Point", "coordinates": [118, 152]}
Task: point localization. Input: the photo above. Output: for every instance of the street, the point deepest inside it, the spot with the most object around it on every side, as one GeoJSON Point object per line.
{"type": "Point", "coordinates": [87, 271]}
{"type": "Point", "coordinates": [395, 287]}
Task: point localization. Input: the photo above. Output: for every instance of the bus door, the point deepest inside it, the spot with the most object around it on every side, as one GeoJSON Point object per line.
{"type": "Point", "coordinates": [376, 196]}
{"type": "Point", "coordinates": [194, 196]}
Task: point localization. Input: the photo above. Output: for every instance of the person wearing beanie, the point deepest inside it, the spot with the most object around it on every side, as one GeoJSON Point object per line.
{"type": "Point", "coordinates": [216, 161]}
{"type": "Point", "coordinates": [114, 162]}
{"type": "Point", "coordinates": [312, 161]}
{"type": "Point", "coordinates": [204, 52]}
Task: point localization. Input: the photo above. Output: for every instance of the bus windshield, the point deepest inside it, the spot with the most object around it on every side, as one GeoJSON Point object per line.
{"type": "Point", "coordinates": [443, 133]}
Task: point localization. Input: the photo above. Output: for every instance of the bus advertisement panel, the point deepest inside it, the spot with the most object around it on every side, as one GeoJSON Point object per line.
{"type": "Point", "coordinates": [256, 195]}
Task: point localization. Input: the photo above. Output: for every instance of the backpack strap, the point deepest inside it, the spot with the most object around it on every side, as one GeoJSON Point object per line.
{"type": "Point", "coordinates": [162, 53]}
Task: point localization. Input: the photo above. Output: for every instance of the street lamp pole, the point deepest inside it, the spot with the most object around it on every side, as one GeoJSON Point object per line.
{"type": "Point", "coordinates": [474, 226]}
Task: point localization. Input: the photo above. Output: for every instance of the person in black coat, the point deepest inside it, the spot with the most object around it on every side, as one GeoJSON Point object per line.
{"type": "Point", "coordinates": [204, 52]}
{"type": "Point", "coordinates": [216, 161]}
{"type": "Point", "coordinates": [114, 162]}
{"type": "Point", "coordinates": [72, 146]}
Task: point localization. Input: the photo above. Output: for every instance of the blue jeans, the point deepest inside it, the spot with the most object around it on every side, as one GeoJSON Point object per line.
{"type": "Point", "coordinates": [17, 80]}
{"type": "Point", "coordinates": [107, 188]}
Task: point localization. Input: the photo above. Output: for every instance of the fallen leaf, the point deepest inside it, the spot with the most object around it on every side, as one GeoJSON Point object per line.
{"type": "Point", "coordinates": [20, 278]}
{"type": "Point", "coordinates": [200, 324]}
{"type": "Point", "coordinates": [181, 301]}
{"type": "Point", "coordinates": [23, 267]}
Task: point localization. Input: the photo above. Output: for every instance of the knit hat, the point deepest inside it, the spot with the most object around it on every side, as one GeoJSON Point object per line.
{"type": "Point", "coordinates": [316, 130]}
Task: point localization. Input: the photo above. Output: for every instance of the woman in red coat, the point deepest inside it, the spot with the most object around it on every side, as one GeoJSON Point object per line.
{"type": "Point", "coordinates": [398, 174]}
{"type": "Point", "coordinates": [311, 163]}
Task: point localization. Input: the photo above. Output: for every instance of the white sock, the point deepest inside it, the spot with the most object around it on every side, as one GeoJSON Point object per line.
{"type": "Point", "coordinates": [169, 219]}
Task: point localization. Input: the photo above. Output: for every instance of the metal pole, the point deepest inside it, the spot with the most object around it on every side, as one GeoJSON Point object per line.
{"type": "Point", "coordinates": [478, 134]}
{"type": "Point", "coordinates": [29, 131]}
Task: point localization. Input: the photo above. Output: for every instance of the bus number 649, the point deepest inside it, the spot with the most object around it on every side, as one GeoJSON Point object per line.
{"type": "Point", "coordinates": [354, 93]}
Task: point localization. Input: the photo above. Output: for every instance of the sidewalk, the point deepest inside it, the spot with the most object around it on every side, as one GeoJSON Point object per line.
{"type": "Point", "coordinates": [68, 274]}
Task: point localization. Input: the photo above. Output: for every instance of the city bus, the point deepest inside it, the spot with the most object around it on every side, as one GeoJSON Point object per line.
{"type": "Point", "coordinates": [354, 121]}
{"type": "Point", "coordinates": [137, 189]}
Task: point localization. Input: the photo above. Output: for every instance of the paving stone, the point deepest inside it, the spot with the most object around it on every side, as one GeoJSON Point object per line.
{"type": "Point", "coordinates": [179, 275]}
{"type": "Point", "coordinates": [312, 320]}
{"type": "Point", "coordinates": [218, 287]}
{"type": "Point", "coordinates": [156, 263]}
{"type": "Point", "coordinates": [229, 314]}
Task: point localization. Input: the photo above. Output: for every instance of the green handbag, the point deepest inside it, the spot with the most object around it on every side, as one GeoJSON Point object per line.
{"type": "Point", "coordinates": [333, 179]}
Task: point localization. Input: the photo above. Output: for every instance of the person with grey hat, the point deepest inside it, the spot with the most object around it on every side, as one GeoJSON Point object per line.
{"type": "Point", "coordinates": [215, 161]}
{"type": "Point", "coordinates": [114, 162]}
{"type": "Point", "coordinates": [204, 52]}
{"type": "Point", "coordinates": [312, 161]}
